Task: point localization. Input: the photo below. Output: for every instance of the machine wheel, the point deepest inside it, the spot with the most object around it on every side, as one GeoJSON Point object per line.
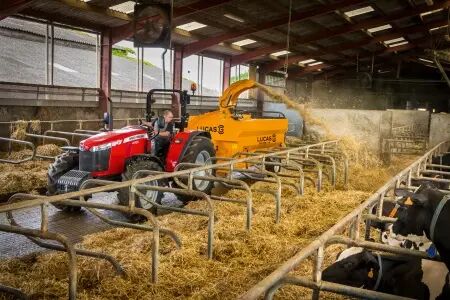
{"type": "Point", "coordinates": [131, 169]}
{"type": "Point", "coordinates": [199, 151]}
{"type": "Point", "coordinates": [273, 169]}
{"type": "Point", "coordinates": [62, 164]}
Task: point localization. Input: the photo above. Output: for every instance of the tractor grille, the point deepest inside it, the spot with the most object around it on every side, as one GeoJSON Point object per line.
{"type": "Point", "coordinates": [94, 161]}
{"type": "Point", "coordinates": [71, 181]}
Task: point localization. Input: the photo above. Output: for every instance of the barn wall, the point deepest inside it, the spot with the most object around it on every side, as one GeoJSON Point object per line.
{"type": "Point", "coordinates": [363, 125]}
{"type": "Point", "coordinates": [439, 128]}
{"type": "Point", "coordinates": [368, 125]}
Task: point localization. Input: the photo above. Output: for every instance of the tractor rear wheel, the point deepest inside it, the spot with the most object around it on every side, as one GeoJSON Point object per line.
{"type": "Point", "coordinates": [200, 151]}
{"type": "Point", "coordinates": [62, 164]}
{"type": "Point", "coordinates": [155, 196]}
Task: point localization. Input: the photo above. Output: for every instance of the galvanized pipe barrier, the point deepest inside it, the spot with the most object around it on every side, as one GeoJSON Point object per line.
{"type": "Point", "coordinates": [126, 184]}
{"type": "Point", "coordinates": [43, 233]}
{"type": "Point", "coordinates": [20, 142]}
{"type": "Point", "coordinates": [209, 213]}
{"type": "Point", "coordinates": [248, 173]}
{"type": "Point", "coordinates": [282, 165]}
{"type": "Point", "coordinates": [233, 183]}
{"type": "Point", "coordinates": [135, 185]}
{"type": "Point", "coordinates": [44, 228]}
{"type": "Point", "coordinates": [34, 153]}
{"type": "Point", "coordinates": [353, 218]}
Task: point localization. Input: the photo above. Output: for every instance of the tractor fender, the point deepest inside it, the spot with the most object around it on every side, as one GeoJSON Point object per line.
{"type": "Point", "coordinates": [144, 157]}
{"type": "Point", "coordinates": [179, 145]}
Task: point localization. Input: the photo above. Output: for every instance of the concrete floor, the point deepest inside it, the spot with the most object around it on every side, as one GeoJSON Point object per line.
{"type": "Point", "coordinates": [73, 225]}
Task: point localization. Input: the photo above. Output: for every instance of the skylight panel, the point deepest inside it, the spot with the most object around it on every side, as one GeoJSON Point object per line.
{"type": "Point", "coordinates": [279, 53]}
{"type": "Point", "coordinates": [437, 28]}
{"type": "Point", "coordinates": [191, 26]}
{"type": "Point", "coordinates": [234, 18]}
{"type": "Point", "coordinates": [126, 7]}
{"type": "Point", "coordinates": [359, 11]}
{"type": "Point", "coordinates": [244, 42]}
{"type": "Point", "coordinates": [426, 60]}
{"type": "Point", "coordinates": [394, 40]}
{"type": "Point", "coordinates": [308, 61]}
{"type": "Point", "coordinates": [398, 44]}
{"type": "Point", "coordinates": [379, 28]}
{"type": "Point", "coordinates": [430, 12]}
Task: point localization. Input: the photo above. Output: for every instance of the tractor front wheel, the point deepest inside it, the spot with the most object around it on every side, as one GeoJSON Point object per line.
{"type": "Point", "coordinates": [150, 196]}
{"type": "Point", "coordinates": [63, 163]}
{"type": "Point", "coordinates": [199, 152]}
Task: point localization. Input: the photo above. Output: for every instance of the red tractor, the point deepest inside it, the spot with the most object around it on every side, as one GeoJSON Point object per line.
{"type": "Point", "coordinates": [119, 154]}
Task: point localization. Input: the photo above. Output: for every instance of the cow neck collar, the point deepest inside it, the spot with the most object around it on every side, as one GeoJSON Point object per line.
{"type": "Point", "coordinates": [436, 214]}
{"type": "Point", "coordinates": [380, 273]}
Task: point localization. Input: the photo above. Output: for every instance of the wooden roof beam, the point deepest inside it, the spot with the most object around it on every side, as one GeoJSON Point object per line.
{"type": "Point", "coordinates": [11, 7]}
{"type": "Point", "coordinates": [352, 45]}
{"type": "Point", "coordinates": [125, 31]}
{"type": "Point", "coordinates": [295, 17]}
{"type": "Point", "coordinates": [241, 58]}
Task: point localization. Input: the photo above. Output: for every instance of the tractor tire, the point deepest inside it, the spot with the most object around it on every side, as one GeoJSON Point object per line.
{"type": "Point", "coordinates": [62, 164]}
{"type": "Point", "coordinates": [200, 150]}
{"type": "Point", "coordinates": [131, 169]}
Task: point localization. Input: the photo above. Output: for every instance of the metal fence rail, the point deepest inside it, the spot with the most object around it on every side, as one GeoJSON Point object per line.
{"type": "Point", "coordinates": [137, 188]}
{"type": "Point", "coordinates": [408, 139]}
{"type": "Point", "coordinates": [280, 276]}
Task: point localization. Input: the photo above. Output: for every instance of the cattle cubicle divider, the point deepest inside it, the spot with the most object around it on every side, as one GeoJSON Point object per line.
{"type": "Point", "coordinates": [280, 276]}
{"type": "Point", "coordinates": [138, 187]}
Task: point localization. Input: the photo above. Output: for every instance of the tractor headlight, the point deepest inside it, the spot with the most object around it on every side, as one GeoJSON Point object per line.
{"type": "Point", "coordinates": [101, 147]}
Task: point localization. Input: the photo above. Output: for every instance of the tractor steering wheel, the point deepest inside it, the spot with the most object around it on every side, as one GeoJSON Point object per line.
{"type": "Point", "coordinates": [147, 127]}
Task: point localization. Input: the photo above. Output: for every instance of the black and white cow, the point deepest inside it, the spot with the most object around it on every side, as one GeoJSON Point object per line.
{"type": "Point", "coordinates": [415, 278]}
{"type": "Point", "coordinates": [430, 215]}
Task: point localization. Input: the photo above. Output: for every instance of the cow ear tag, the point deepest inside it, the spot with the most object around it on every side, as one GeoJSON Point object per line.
{"type": "Point", "coordinates": [370, 274]}
{"type": "Point", "coordinates": [408, 201]}
{"type": "Point", "coordinates": [431, 251]}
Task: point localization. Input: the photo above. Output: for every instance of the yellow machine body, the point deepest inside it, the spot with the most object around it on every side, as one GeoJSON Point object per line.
{"type": "Point", "coordinates": [233, 132]}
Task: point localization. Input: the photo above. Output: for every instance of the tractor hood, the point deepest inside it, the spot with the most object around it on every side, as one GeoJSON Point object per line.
{"type": "Point", "coordinates": [109, 139]}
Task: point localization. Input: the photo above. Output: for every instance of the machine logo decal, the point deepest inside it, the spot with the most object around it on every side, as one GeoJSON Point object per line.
{"type": "Point", "coordinates": [135, 137]}
{"type": "Point", "coordinates": [219, 129]}
{"type": "Point", "coordinates": [267, 139]}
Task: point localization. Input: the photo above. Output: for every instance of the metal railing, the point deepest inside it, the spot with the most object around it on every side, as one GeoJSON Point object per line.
{"type": "Point", "coordinates": [20, 91]}
{"type": "Point", "coordinates": [138, 187]}
{"type": "Point", "coordinates": [13, 92]}
{"type": "Point", "coordinates": [407, 139]}
{"type": "Point", "coordinates": [279, 277]}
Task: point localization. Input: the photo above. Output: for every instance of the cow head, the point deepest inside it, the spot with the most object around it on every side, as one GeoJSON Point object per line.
{"type": "Point", "coordinates": [357, 270]}
{"type": "Point", "coordinates": [416, 219]}
{"type": "Point", "coordinates": [419, 243]}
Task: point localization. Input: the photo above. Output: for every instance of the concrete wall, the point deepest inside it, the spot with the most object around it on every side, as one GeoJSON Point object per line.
{"type": "Point", "coordinates": [370, 126]}
{"type": "Point", "coordinates": [381, 94]}
{"type": "Point", "coordinates": [439, 128]}
{"type": "Point", "coordinates": [367, 125]}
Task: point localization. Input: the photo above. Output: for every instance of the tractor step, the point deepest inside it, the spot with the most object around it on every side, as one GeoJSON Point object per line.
{"type": "Point", "coordinates": [72, 180]}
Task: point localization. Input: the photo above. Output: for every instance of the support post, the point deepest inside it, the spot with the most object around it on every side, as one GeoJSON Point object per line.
{"type": "Point", "coordinates": [177, 79]}
{"type": "Point", "coordinates": [399, 69]}
{"type": "Point", "coordinates": [178, 69]}
{"type": "Point", "coordinates": [260, 94]}
{"type": "Point", "coordinates": [105, 71]}
{"type": "Point", "coordinates": [226, 73]}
